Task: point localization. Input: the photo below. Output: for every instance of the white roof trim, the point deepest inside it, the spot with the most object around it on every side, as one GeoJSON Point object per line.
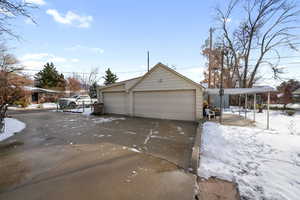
{"type": "Point", "coordinates": [29, 88]}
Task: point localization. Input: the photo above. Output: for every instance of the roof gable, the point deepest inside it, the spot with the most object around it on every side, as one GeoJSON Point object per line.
{"type": "Point", "coordinates": [122, 84]}
{"type": "Point", "coordinates": [161, 76]}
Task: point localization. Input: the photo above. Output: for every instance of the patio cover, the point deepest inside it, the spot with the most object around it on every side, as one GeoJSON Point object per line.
{"type": "Point", "coordinates": [236, 91]}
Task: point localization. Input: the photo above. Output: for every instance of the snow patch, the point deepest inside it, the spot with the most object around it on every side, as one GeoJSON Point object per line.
{"type": "Point", "coordinates": [148, 137]}
{"type": "Point", "coordinates": [105, 120]}
{"type": "Point", "coordinates": [279, 121]}
{"type": "Point", "coordinates": [35, 106]}
{"type": "Point", "coordinates": [12, 126]}
{"type": "Point", "coordinates": [265, 164]}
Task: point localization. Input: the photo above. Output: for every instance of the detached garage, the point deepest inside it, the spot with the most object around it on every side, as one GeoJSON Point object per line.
{"type": "Point", "coordinates": [161, 93]}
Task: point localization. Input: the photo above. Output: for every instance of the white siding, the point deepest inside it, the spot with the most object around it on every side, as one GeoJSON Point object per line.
{"type": "Point", "coordinates": [162, 79]}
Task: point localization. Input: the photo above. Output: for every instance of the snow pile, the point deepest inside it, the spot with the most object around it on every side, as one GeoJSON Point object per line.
{"type": "Point", "coordinates": [105, 120]}
{"type": "Point", "coordinates": [265, 164]}
{"type": "Point", "coordinates": [36, 106]}
{"type": "Point", "coordinates": [295, 106]}
{"type": "Point", "coordinates": [279, 121]}
{"type": "Point", "coordinates": [11, 126]}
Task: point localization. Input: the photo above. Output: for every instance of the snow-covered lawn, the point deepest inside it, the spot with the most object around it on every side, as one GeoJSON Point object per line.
{"type": "Point", "coordinates": [35, 106]}
{"type": "Point", "coordinates": [279, 121]}
{"type": "Point", "coordinates": [264, 163]}
{"type": "Point", "coordinates": [11, 126]}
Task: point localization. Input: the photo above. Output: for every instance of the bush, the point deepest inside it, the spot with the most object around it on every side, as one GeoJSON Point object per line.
{"type": "Point", "coordinates": [23, 102]}
{"type": "Point", "coordinates": [290, 112]}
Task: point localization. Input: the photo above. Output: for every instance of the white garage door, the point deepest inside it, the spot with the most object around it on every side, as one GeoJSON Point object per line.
{"type": "Point", "coordinates": [178, 105]}
{"type": "Point", "coordinates": [114, 102]}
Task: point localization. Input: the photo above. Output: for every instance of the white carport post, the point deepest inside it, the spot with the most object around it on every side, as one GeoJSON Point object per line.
{"type": "Point", "coordinates": [246, 102]}
{"type": "Point", "coordinates": [239, 105]}
{"type": "Point", "coordinates": [268, 112]}
{"type": "Point", "coordinates": [254, 107]}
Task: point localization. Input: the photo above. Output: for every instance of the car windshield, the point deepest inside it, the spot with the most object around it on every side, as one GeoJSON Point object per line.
{"type": "Point", "coordinates": [74, 96]}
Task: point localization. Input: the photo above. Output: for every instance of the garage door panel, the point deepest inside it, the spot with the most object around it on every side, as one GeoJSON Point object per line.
{"type": "Point", "coordinates": [114, 102]}
{"type": "Point", "coordinates": [178, 105]}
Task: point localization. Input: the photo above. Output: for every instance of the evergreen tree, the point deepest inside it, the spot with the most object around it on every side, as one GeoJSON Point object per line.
{"type": "Point", "coordinates": [93, 90]}
{"type": "Point", "coordinates": [109, 77]}
{"type": "Point", "coordinates": [49, 77]}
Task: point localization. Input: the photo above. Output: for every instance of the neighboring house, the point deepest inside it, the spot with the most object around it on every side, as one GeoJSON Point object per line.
{"type": "Point", "coordinates": [41, 95]}
{"type": "Point", "coordinates": [296, 95]}
{"type": "Point", "coordinates": [161, 93]}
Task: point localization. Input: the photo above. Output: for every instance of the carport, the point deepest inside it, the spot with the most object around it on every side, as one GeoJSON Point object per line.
{"type": "Point", "coordinates": [246, 92]}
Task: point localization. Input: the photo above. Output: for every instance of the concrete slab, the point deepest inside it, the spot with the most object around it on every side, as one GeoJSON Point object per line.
{"type": "Point", "coordinates": [72, 156]}
{"type": "Point", "coordinates": [103, 171]}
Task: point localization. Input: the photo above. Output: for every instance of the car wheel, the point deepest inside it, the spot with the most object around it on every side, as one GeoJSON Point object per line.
{"type": "Point", "coordinates": [72, 105]}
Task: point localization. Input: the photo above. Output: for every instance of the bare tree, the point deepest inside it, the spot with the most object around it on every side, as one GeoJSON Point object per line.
{"type": "Point", "coordinates": [266, 26]}
{"type": "Point", "coordinates": [11, 82]}
{"type": "Point", "coordinates": [11, 9]}
{"type": "Point", "coordinates": [89, 79]}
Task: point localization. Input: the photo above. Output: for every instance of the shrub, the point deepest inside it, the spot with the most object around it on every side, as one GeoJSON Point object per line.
{"type": "Point", "coordinates": [290, 112]}
{"type": "Point", "coordinates": [23, 102]}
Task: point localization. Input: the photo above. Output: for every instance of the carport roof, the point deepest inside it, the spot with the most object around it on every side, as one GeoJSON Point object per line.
{"type": "Point", "coordinates": [235, 91]}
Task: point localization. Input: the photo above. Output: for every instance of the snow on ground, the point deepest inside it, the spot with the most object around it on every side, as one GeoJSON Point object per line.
{"type": "Point", "coordinates": [101, 120]}
{"type": "Point", "coordinates": [11, 126]}
{"type": "Point", "coordinates": [265, 164]}
{"type": "Point", "coordinates": [279, 121]}
{"type": "Point", "coordinates": [35, 106]}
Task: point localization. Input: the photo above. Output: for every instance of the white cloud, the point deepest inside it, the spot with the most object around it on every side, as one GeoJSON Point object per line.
{"type": "Point", "coordinates": [71, 18]}
{"type": "Point", "coordinates": [84, 48]}
{"type": "Point", "coordinates": [6, 12]}
{"type": "Point", "coordinates": [37, 2]}
{"type": "Point", "coordinates": [35, 56]}
{"type": "Point", "coordinates": [75, 60]}
{"type": "Point", "coordinates": [37, 60]}
{"type": "Point", "coordinates": [31, 64]}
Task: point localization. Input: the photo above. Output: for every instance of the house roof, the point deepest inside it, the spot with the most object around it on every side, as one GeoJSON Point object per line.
{"type": "Point", "coordinates": [118, 83]}
{"type": "Point", "coordinates": [160, 65]}
{"type": "Point", "coordinates": [36, 89]}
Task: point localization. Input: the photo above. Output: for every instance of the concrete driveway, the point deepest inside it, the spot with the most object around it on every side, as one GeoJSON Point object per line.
{"type": "Point", "coordinates": [72, 156]}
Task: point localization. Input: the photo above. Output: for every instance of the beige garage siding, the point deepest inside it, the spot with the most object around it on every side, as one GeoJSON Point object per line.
{"type": "Point", "coordinates": [115, 102]}
{"type": "Point", "coordinates": [177, 105]}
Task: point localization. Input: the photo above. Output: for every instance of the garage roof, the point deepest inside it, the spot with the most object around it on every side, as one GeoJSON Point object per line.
{"type": "Point", "coordinates": [160, 65]}
{"type": "Point", "coordinates": [141, 78]}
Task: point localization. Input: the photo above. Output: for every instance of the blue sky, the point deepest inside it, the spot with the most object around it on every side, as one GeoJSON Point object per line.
{"type": "Point", "coordinates": [78, 36]}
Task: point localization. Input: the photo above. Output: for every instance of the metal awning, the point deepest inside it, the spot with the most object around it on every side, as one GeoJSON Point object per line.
{"type": "Point", "coordinates": [236, 91]}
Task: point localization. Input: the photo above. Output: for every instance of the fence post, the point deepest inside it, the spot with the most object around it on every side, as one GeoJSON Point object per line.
{"type": "Point", "coordinates": [83, 105]}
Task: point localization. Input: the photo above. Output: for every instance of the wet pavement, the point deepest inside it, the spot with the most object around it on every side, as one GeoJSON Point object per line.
{"type": "Point", "coordinates": [72, 156]}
